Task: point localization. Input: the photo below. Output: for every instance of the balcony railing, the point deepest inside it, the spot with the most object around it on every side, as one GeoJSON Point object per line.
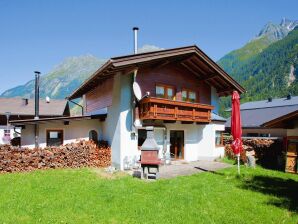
{"type": "Point", "coordinates": [152, 108]}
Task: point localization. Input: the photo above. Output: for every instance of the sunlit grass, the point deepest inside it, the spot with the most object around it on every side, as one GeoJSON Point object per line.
{"type": "Point", "coordinates": [89, 196]}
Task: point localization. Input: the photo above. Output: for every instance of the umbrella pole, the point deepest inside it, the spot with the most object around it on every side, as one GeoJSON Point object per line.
{"type": "Point", "coordinates": [238, 160]}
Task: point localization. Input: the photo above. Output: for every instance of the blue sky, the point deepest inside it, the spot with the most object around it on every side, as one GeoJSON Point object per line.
{"type": "Point", "coordinates": [39, 34]}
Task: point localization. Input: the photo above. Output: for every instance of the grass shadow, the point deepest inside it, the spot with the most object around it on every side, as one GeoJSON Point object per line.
{"type": "Point", "coordinates": [284, 190]}
{"type": "Point", "coordinates": [206, 170]}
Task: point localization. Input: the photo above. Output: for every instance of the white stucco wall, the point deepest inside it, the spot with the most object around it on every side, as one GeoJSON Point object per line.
{"type": "Point", "coordinates": [13, 134]}
{"type": "Point", "coordinates": [76, 130]}
{"type": "Point", "coordinates": [117, 128]}
{"type": "Point", "coordinates": [199, 140]}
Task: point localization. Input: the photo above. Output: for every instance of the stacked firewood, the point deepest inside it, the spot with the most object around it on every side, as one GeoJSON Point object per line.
{"type": "Point", "coordinates": [258, 143]}
{"type": "Point", "coordinates": [266, 150]}
{"type": "Point", "coordinates": [104, 154]}
{"type": "Point", "coordinates": [73, 155]}
{"type": "Point", "coordinates": [254, 142]}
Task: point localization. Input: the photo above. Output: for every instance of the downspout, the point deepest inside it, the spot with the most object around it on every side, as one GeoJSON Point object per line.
{"type": "Point", "coordinates": [135, 72]}
{"type": "Point", "coordinates": [36, 126]}
{"type": "Point", "coordinates": [134, 103]}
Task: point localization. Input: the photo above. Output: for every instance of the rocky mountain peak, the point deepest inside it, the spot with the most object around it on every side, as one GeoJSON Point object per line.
{"type": "Point", "coordinates": [289, 24]}
{"type": "Point", "coordinates": [276, 32]}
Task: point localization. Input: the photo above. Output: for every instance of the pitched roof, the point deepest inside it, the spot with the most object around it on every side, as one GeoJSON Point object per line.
{"type": "Point", "coordinates": [16, 106]}
{"type": "Point", "coordinates": [280, 102]}
{"type": "Point", "coordinates": [216, 117]}
{"type": "Point", "coordinates": [256, 114]}
{"type": "Point", "coordinates": [191, 57]}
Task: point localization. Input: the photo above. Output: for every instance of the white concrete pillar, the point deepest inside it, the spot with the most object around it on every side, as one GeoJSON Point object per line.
{"type": "Point", "coordinates": [119, 121]}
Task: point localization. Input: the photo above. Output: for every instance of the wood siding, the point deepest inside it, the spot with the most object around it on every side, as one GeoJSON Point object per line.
{"type": "Point", "coordinates": [163, 109]}
{"type": "Point", "coordinates": [100, 97]}
{"type": "Point", "coordinates": [174, 76]}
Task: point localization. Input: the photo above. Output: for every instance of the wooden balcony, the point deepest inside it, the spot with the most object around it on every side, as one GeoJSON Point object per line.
{"type": "Point", "coordinates": [152, 108]}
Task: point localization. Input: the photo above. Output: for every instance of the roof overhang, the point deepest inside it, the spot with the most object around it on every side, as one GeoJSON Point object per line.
{"type": "Point", "coordinates": [283, 121]}
{"type": "Point", "coordinates": [191, 58]}
{"type": "Point", "coordinates": [55, 119]}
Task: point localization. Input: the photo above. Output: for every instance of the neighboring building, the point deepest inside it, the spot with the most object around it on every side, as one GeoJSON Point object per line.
{"type": "Point", "coordinates": [269, 118]}
{"type": "Point", "coordinates": [181, 89]}
{"type": "Point", "coordinates": [20, 109]}
{"type": "Point", "coordinates": [288, 122]}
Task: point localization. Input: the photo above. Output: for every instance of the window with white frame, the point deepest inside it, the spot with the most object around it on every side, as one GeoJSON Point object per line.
{"type": "Point", "coordinates": [54, 137]}
{"type": "Point", "coordinates": [218, 138]}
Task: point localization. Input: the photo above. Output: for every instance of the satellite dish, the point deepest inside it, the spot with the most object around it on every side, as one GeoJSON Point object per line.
{"type": "Point", "coordinates": [137, 91]}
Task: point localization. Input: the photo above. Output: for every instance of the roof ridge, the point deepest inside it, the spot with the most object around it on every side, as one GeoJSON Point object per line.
{"type": "Point", "coordinates": [285, 98]}
{"type": "Point", "coordinates": [151, 52]}
{"type": "Point", "coordinates": [254, 108]}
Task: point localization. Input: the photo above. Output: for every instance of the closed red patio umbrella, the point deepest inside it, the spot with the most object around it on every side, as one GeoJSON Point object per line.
{"type": "Point", "coordinates": [236, 128]}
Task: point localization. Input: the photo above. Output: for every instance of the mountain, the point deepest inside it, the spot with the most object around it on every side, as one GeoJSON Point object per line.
{"type": "Point", "coordinates": [65, 77]}
{"type": "Point", "coordinates": [148, 48]}
{"type": "Point", "coordinates": [269, 34]}
{"type": "Point", "coordinates": [271, 72]}
{"type": "Point", "coordinates": [62, 80]}
{"type": "Point", "coordinates": [276, 32]}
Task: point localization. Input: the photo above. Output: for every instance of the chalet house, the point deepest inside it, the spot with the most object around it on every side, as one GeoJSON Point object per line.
{"type": "Point", "coordinates": [269, 118]}
{"type": "Point", "coordinates": [20, 109]}
{"type": "Point", "coordinates": [180, 88]}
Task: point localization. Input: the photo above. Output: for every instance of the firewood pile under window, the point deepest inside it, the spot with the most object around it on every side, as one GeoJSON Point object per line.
{"type": "Point", "coordinates": [73, 155]}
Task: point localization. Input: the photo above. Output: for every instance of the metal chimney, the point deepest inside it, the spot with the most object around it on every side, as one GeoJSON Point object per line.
{"type": "Point", "coordinates": [37, 74]}
{"type": "Point", "coordinates": [135, 33]}
{"type": "Point", "coordinates": [289, 96]}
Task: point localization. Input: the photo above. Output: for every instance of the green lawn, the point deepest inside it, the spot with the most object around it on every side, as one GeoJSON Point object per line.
{"type": "Point", "coordinates": [85, 196]}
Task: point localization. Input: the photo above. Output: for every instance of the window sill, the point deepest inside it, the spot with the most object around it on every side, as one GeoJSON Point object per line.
{"type": "Point", "coordinates": [218, 146]}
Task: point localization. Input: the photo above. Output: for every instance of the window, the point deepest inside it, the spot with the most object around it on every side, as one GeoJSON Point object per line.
{"type": "Point", "coordinates": [189, 95]}
{"type": "Point", "coordinates": [163, 91]}
{"type": "Point", "coordinates": [184, 95]}
{"type": "Point", "coordinates": [218, 138]}
{"type": "Point", "coordinates": [7, 132]}
{"type": "Point", "coordinates": [160, 91]}
{"type": "Point", "coordinates": [54, 137]}
{"type": "Point", "coordinates": [93, 136]}
{"type": "Point", "coordinates": [192, 96]}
